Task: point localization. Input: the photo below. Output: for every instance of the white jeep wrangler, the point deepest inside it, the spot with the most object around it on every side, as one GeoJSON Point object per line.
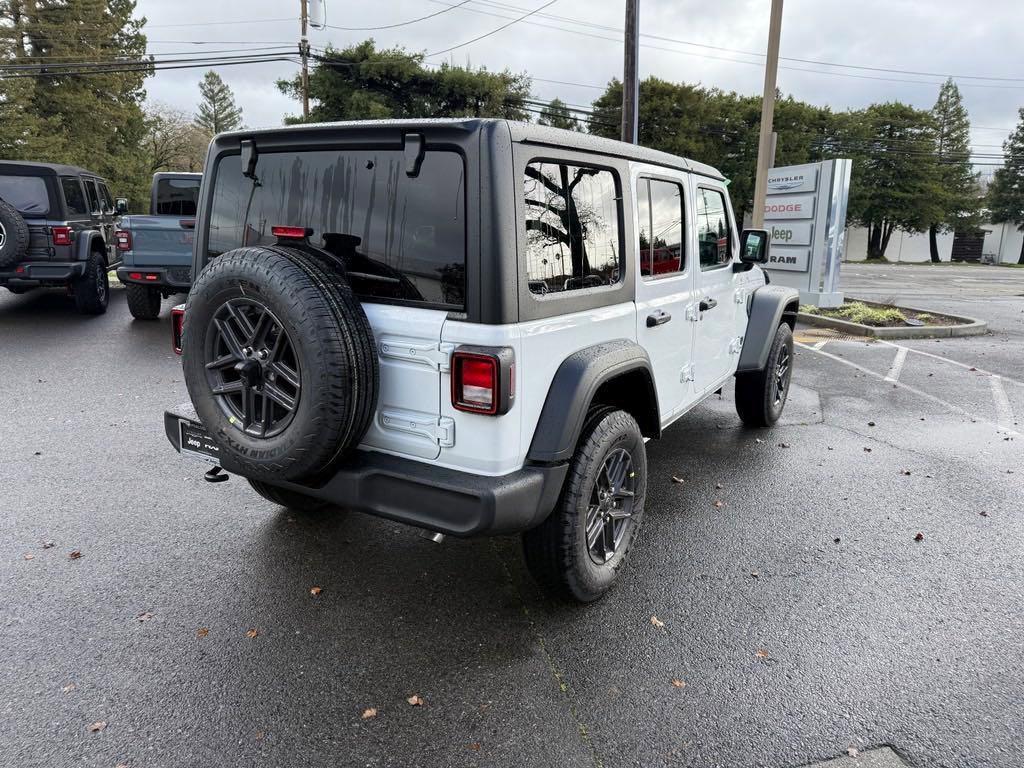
{"type": "Point", "coordinates": [469, 326]}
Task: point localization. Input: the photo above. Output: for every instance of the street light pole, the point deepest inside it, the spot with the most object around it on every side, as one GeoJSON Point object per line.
{"type": "Point", "coordinates": [764, 146]}
{"type": "Point", "coordinates": [631, 75]}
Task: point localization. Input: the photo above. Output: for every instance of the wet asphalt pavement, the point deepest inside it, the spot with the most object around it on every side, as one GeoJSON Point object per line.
{"type": "Point", "coordinates": [801, 615]}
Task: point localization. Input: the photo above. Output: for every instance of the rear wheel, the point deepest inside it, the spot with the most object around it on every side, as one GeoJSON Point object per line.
{"type": "Point", "coordinates": [300, 502]}
{"type": "Point", "coordinates": [761, 395]}
{"type": "Point", "coordinates": [143, 301]}
{"type": "Point", "coordinates": [578, 551]}
{"type": "Point", "coordinates": [92, 290]}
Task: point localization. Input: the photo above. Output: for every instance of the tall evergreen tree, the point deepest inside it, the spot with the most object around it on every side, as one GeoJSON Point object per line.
{"type": "Point", "coordinates": [217, 110]}
{"type": "Point", "coordinates": [94, 120]}
{"type": "Point", "coordinates": [960, 194]}
{"type": "Point", "coordinates": [1006, 193]}
{"type": "Point", "coordinates": [557, 115]}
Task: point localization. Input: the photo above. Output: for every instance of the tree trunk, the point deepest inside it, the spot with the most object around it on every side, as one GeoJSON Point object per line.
{"type": "Point", "coordinates": [933, 242]}
{"type": "Point", "coordinates": [1021, 259]}
{"type": "Point", "coordinates": [875, 251]}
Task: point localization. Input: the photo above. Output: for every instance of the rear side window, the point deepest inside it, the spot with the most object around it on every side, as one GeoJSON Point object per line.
{"type": "Point", "coordinates": [714, 235]}
{"type": "Point", "coordinates": [572, 227]}
{"type": "Point", "coordinates": [401, 238]}
{"type": "Point", "coordinates": [73, 195]}
{"type": "Point", "coordinates": [94, 198]}
{"type": "Point", "coordinates": [176, 197]}
{"type": "Point", "coordinates": [660, 215]}
{"type": "Point", "coordinates": [26, 193]}
{"type": "Point", "coordinates": [105, 198]}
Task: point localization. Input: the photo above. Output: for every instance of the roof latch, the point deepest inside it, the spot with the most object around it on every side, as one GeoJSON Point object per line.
{"type": "Point", "coordinates": [414, 151]}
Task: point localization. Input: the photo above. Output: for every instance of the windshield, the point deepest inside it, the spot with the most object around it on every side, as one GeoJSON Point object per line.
{"type": "Point", "coordinates": [400, 237]}
{"type": "Point", "coordinates": [176, 197]}
{"type": "Point", "coordinates": [26, 193]}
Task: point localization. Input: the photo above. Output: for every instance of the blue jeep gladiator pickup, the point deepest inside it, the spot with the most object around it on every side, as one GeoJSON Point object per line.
{"type": "Point", "coordinates": [156, 250]}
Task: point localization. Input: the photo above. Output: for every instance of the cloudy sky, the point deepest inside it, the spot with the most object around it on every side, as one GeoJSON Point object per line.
{"type": "Point", "coordinates": [695, 41]}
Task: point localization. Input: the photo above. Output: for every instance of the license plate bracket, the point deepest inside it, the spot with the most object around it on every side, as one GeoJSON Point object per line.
{"type": "Point", "coordinates": [195, 442]}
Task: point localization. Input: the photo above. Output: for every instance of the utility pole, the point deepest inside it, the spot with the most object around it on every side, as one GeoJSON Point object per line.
{"type": "Point", "coordinates": [304, 50]}
{"type": "Point", "coordinates": [631, 76]}
{"type": "Point", "coordinates": [764, 147]}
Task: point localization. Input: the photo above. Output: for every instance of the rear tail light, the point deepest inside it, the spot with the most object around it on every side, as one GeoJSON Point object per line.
{"type": "Point", "coordinates": [61, 235]}
{"type": "Point", "coordinates": [177, 326]}
{"type": "Point", "coordinates": [483, 380]}
{"type": "Point", "coordinates": [123, 240]}
{"type": "Point", "coordinates": [291, 233]}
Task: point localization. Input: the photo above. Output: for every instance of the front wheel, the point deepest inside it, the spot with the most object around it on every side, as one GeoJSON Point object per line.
{"type": "Point", "coordinates": [300, 502]}
{"type": "Point", "coordinates": [761, 395]}
{"type": "Point", "coordinates": [143, 301]}
{"type": "Point", "coordinates": [578, 551]}
{"type": "Point", "coordinates": [92, 290]}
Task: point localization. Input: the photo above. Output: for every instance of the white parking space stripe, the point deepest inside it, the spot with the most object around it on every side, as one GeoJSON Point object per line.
{"type": "Point", "coordinates": [914, 390]}
{"type": "Point", "coordinates": [897, 365]}
{"type": "Point", "coordinates": [968, 366]}
{"type": "Point", "coordinates": [821, 344]}
{"type": "Point", "coordinates": [1003, 410]}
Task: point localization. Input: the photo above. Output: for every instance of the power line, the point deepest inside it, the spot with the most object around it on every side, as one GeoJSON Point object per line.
{"type": "Point", "coordinates": [496, 30]}
{"type": "Point", "coordinates": [401, 23]}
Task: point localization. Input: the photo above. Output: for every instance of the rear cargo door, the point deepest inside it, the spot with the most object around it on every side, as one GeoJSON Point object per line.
{"type": "Point", "coordinates": [159, 241]}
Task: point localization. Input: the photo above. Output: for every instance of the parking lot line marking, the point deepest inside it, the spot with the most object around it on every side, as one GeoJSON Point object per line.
{"type": "Point", "coordinates": [1003, 410]}
{"type": "Point", "coordinates": [968, 366]}
{"type": "Point", "coordinates": [821, 344]}
{"type": "Point", "coordinates": [897, 365]}
{"type": "Point", "coordinates": [914, 390]}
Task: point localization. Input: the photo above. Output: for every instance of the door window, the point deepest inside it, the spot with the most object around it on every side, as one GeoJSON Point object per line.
{"type": "Point", "coordinates": [714, 233]}
{"type": "Point", "coordinates": [105, 198]}
{"type": "Point", "coordinates": [660, 213]}
{"type": "Point", "coordinates": [572, 227]}
{"type": "Point", "coordinates": [94, 198]}
{"type": "Point", "coordinates": [73, 196]}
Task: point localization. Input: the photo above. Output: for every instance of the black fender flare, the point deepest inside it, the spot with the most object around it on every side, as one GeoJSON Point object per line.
{"type": "Point", "coordinates": [767, 308]}
{"type": "Point", "coordinates": [573, 388]}
{"type": "Point", "coordinates": [85, 241]}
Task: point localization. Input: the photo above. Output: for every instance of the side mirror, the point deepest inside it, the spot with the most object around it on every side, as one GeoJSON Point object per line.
{"type": "Point", "coordinates": [754, 247]}
{"type": "Point", "coordinates": [121, 205]}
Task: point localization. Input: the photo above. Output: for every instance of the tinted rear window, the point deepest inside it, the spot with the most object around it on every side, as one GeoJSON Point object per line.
{"type": "Point", "coordinates": [401, 238]}
{"type": "Point", "coordinates": [176, 197]}
{"type": "Point", "coordinates": [26, 193]}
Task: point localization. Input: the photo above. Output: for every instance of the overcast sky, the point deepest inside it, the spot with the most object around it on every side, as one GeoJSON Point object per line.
{"type": "Point", "coordinates": [927, 36]}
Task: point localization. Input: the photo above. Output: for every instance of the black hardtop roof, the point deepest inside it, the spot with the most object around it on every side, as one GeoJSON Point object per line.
{"type": "Point", "coordinates": [524, 133]}
{"type": "Point", "coordinates": [53, 168]}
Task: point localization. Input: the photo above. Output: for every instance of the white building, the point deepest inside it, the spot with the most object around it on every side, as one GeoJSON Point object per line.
{"type": "Point", "coordinates": [1002, 245]}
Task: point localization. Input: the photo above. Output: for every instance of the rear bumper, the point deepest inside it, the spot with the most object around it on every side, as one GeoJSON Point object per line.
{"type": "Point", "coordinates": [175, 278]}
{"type": "Point", "coordinates": [424, 495]}
{"type": "Point", "coordinates": [33, 273]}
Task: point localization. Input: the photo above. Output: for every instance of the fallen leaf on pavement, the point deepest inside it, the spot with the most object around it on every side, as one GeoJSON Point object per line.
{"type": "Point", "coordinates": [871, 423]}
{"type": "Point", "coordinates": [983, 513]}
{"type": "Point", "coordinates": [758, 440]}
{"type": "Point", "coordinates": [74, 554]}
{"type": "Point", "coordinates": [657, 622]}
{"type": "Point", "coordinates": [852, 752]}
{"type": "Point", "coordinates": [783, 445]}
{"type": "Point", "coordinates": [144, 616]}
{"type": "Point", "coordinates": [369, 712]}
{"type": "Point", "coordinates": [251, 633]}
{"type": "Point", "coordinates": [202, 632]}
{"type": "Point", "coordinates": [973, 368]}
{"type": "Point", "coordinates": [475, 746]}
{"type": "Point", "coordinates": [836, 539]}
{"type": "Point", "coordinates": [919, 536]}
{"type": "Point", "coordinates": [761, 654]}
{"type": "Point", "coordinates": [98, 726]}
{"type": "Point", "coordinates": [29, 556]}
{"type": "Point", "coordinates": [415, 700]}
{"type": "Point", "coordinates": [676, 479]}
{"type": "Point", "coordinates": [755, 574]}
{"type": "Point", "coordinates": [314, 591]}
{"type": "Point", "coordinates": [678, 683]}
{"type": "Point", "coordinates": [68, 688]}
{"type": "Point", "coordinates": [719, 504]}
{"type": "Point", "coordinates": [719, 486]}
{"type": "Point", "coordinates": [867, 450]}
{"type": "Point", "coordinates": [906, 471]}
{"type": "Point", "coordinates": [47, 544]}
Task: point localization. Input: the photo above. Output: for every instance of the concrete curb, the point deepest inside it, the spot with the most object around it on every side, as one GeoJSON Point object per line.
{"type": "Point", "coordinates": [970, 327]}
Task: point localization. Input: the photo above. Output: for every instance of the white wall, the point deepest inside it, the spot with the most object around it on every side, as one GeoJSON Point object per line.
{"type": "Point", "coordinates": [1002, 243]}
{"type": "Point", "coordinates": [903, 246]}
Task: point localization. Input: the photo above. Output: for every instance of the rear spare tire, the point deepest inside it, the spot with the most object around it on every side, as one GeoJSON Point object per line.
{"type": "Point", "coordinates": [13, 235]}
{"type": "Point", "coordinates": [279, 361]}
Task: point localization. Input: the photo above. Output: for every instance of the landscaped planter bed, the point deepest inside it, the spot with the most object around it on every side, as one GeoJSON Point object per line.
{"type": "Point", "coordinates": [886, 321]}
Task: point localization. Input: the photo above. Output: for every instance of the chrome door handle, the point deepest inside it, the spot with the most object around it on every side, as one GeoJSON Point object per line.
{"type": "Point", "coordinates": [659, 317]}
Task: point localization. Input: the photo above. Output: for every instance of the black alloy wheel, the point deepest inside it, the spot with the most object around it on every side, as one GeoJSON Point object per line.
{"type": "Point", "coordinates": [252, 368]}
{"type": "Point", "coordinates": [610, 513]}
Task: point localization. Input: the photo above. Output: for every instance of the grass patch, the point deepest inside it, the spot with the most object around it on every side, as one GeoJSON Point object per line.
{"type": "Point", "coordinates": [878, 316]}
